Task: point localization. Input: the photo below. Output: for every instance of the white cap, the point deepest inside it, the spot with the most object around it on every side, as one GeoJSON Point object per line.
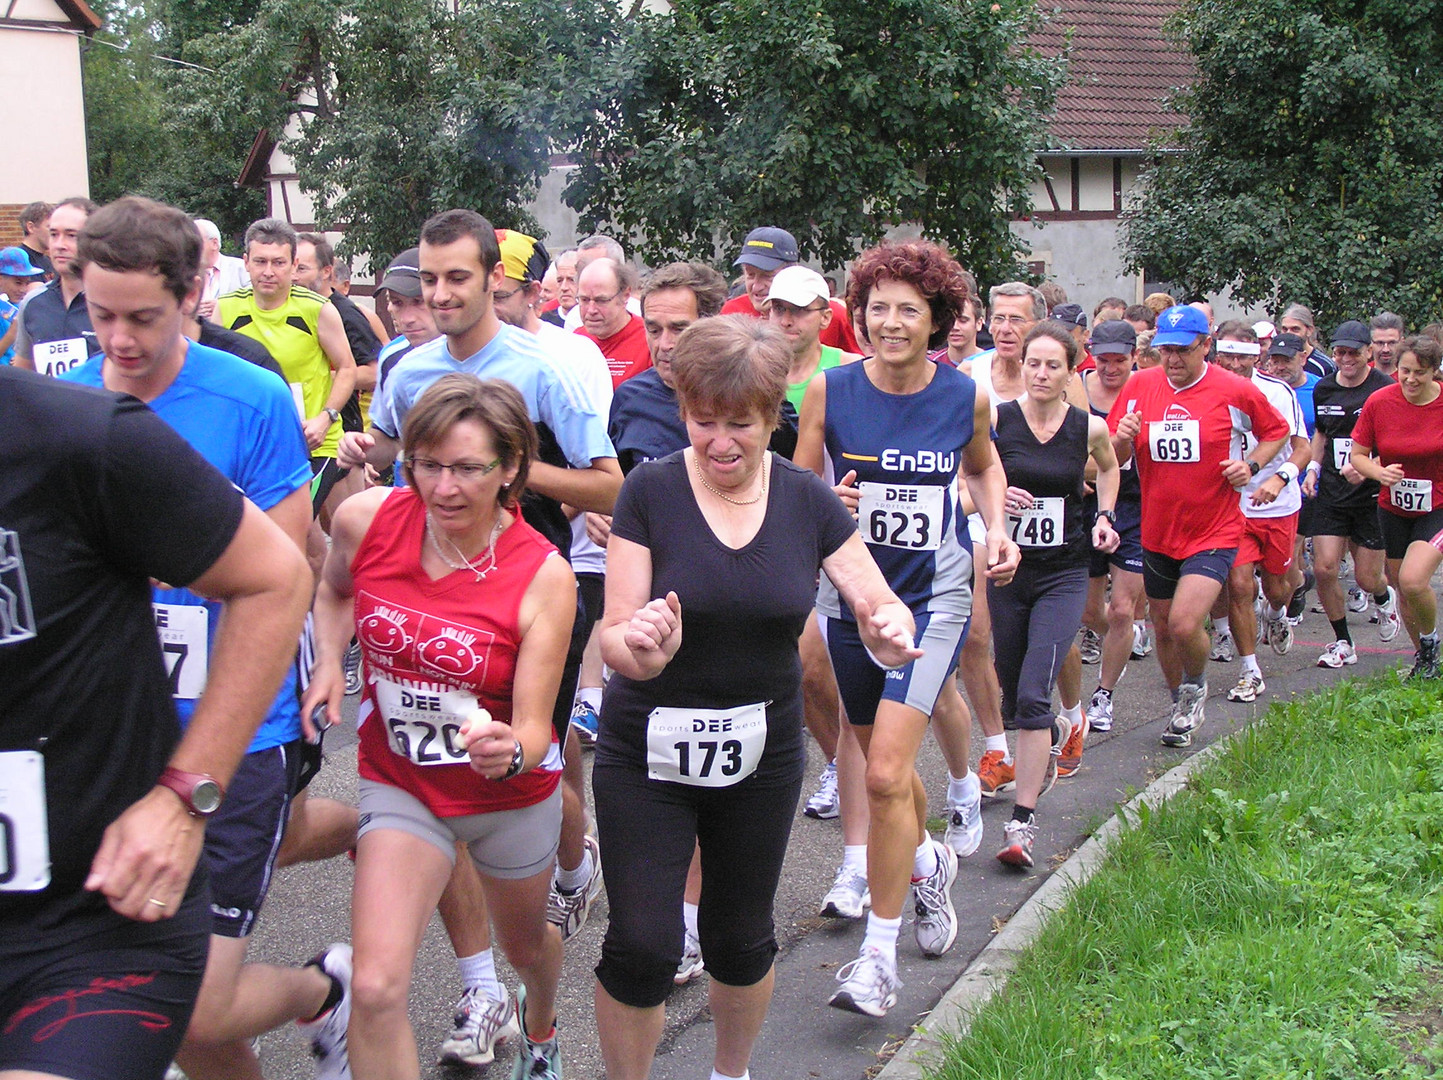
{"type": "Point", "coordinates": [799, 286]}
{"type": "Point", "coordinates": [1264, 329]}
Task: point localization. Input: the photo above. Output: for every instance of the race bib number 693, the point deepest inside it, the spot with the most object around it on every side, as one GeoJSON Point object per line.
{"type": "Point", "coordinates": [1174, 440]}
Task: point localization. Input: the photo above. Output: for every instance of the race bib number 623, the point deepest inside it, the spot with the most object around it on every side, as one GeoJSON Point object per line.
{"type": "Point", "coordinates": [902, 515]}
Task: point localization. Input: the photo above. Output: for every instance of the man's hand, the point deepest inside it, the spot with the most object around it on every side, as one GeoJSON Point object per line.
{"type": "Point", "coordinates": [147, 856]}
{"type": "Point", "coordinates": [1236, 472]}
{"type": "Point", "coordinates": [353, 448]}
{"type": "Point", "coordinates": [1268, 490]}
{"type": "Point", "coordinates": [598, 528]}
{"type": "Point", "coordinates": [315, 430]}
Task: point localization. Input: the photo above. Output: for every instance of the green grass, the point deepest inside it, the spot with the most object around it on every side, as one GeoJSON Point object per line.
{"type": "Point", "coordinates": [1265, 923]}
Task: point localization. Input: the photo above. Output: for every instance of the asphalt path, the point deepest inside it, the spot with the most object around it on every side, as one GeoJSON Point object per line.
{"type": "Point", "coordinates": [309, 905]}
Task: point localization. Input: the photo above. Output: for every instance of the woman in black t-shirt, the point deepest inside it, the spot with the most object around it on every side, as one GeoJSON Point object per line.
{"type": "Point", "coordinates": [711, 574]}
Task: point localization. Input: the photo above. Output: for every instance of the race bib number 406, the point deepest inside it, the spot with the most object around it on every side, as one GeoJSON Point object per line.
{"type": "Point", "coordinates": [902, 515]}
{"type": "Point", "coordinates": [24, 828]}
{"type": "Point", "coordinates": [1413, 496]}
{"type": "Point", "coordinates": [705, 747]}
{"type": "Point", "coordinates": [58, 357]}
{"type": "Point", "coordinates": [1174, 440]}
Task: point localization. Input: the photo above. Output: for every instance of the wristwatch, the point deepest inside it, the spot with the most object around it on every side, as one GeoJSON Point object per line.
{"type": "Point", "coordinates": [1288, 471]}
{"type": "Point", "coordinates": [1109, 514]}
{"type": "Point", "coordinates": [334, 414]}
{"type": "Point", "coordinates": [1253, 467]}
{"type": "Point", "coordinates": [201, 792]}
{"type": "Point", "coordinates": [518, 762]}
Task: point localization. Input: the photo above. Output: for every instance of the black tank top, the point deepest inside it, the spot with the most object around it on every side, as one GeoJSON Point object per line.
{"type": "Point", "coordinates": [1052, 534]}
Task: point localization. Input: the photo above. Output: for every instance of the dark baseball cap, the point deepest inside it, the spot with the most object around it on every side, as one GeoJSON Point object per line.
{"type": "Point", "coordinates": [1113, 336]}
{"type": "Point", "coordinates": [768, 248]}
{"type": "Point", "coordinates": [1070, 315]}
{"type": "Point", "coordinates": [403, 276]}
{"type": "Point", "coordinates": [1352, 335]}
{"type": "Point", "coordinates": [1287, 345]}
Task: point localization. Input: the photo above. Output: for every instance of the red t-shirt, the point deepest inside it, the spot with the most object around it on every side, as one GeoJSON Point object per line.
{"type": "Point", "coordinates": [1187, 506]}
{"type": "Point", "coordinates": [434, 650]}
{"type": "Point", "coordinates": [1401, 433]}
{"type": "Point", "coordinates": [837, 333]}
{"type": "Point", "coordinates": [626, 351]}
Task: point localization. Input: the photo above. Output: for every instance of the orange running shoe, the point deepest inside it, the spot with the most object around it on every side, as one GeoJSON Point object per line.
{"type": "Point", "coordinates": [1071, 758]}
{"type": "Point", "coordinates": [996, 775]}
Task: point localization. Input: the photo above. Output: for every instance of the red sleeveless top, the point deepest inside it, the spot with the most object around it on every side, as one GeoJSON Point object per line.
{"type": "Point", "coordinates": [433, 651]}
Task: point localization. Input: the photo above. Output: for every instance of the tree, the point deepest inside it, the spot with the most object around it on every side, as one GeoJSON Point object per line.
{"type": "Point", "coordinates": [834, 119]}
{"type": "Point", "coordinates": [1311, 169]}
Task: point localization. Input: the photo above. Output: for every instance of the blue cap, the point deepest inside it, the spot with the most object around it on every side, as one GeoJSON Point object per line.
{"type": "Point", "coordinates": [15, 262]}
{"type": "Point", "coordinates": [1180, 326]}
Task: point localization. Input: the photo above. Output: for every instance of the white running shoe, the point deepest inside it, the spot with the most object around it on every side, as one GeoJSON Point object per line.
{"type": "Point", "coordinates": [1338, 654]}
{"type": "Point", "coordinates": [1248, 687]}
{"type": "Point", "coordinates": [932, 902]}
{"type": "Point", "coordinates": [1061, 729]}
{"type": "Point", "coordinates": [1141, 640]}
{"type": "Point", "coordinates": [1278, 633]}
{"type": "Point", "coordinates": [568, 910]}
{"type": "Point", "coordinates": [825, 804]}
{"type": "Point", "coordinates": [691, 962]}
{"type": "Point", "coordinates": [964, 825]}
{"type": "Point", "coordinates": [849, 897]}
{"type": "Point", "coordinates": [1388, 621]}
{"type": "Point", "coordinates": [1090, 646]}
{"type": "Point", "coordinates": [1099, 712]}
{"type": "Point", "coordinates": [1187, 715]}
{"type": "Point", "coordinates": [1017, 840]}
{"type": "Point", "coordinates": [1357, 600]}
{"type": "Point", "coordinates": [328, 1033]}
{"type": "Point", "coordinates": [869, 984]}
{"type": "Point", "coordinates": [481, 1023]}
{"type": "Point", "coordinates": [1222, 650]}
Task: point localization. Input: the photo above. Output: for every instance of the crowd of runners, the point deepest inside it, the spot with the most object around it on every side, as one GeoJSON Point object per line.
{"type": "Point", "coordinates": [569, 506]}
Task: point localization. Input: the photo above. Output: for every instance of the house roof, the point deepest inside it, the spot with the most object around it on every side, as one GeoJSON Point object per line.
{"type": "Point", "coordinates": [1121, 69]}
{"type": "Point", "coordinates": [79, 13]}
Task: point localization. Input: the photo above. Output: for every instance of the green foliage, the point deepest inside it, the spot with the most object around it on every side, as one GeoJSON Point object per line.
{"type": "Point", "coordinates": [1311, 169]}
{"type": "Point", "coordinates": [834, 119]}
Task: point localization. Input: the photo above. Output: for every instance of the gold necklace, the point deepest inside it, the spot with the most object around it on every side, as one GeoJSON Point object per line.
{"type": "Point", "coordinates": [482, 564]}
{"type": "Point", "coordinates": [727, 498]}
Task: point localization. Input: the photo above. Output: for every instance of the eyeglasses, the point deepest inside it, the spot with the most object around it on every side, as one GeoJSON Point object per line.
{"type": "Point", "coordinates": [598, 300]}
{"type": "Point", "coordinates": [1018, 321]}
{"type": "Point", "coordinates": [463, 472]}
{"type": "Point", "coordinates": [504, 296]}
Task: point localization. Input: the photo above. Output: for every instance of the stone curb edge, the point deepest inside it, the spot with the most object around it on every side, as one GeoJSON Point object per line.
{"type": "Point", "coordinates": [988, 973]}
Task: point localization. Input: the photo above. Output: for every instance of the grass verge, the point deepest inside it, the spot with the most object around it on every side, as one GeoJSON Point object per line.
{"type": "Point", "coordinates": [1283, 917]}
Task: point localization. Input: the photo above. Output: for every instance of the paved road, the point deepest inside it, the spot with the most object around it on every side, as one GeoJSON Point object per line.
{"type": "Point", "coordinates": [803, 1038]}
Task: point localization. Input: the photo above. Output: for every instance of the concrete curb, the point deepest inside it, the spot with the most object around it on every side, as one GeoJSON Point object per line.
{"type": "Point", "coordinates": [988, 973]}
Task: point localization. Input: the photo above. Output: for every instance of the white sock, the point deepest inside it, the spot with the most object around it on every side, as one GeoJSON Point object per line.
{"type": "Point", "coordinates": [882, 935]}
{"type": "Point", "coordinates": [854, 856]}
{"type": "Point", "coordinates": [966, 790]}
{"type": "Point", "coordinates": [479, 972]}
{"type": "Point", "coordinates": [924, 862]}
{"type": "Point", "coordinates": [1073, 715]}
{"type": "Point", "coordinates": [688, 916]}
{"type": "Point", "coordinates": [1276, 613]}
{"type": "Point", "coordinates": [571, 880]}
{"type": "Point", "coordinates": [717, 1075]}
{"type": "Point", "coordinates": [591, 695]}
{"type": "Point", "coordinates": [1221, 626]}
{"type": "Point", "coordinates": [999, 742]}
{"type": "Point", "coordinates": [1250, 666]}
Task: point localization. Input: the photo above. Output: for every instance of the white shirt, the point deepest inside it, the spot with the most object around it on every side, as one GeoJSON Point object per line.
{"type": "Point", "coordinates": [1290, 500]}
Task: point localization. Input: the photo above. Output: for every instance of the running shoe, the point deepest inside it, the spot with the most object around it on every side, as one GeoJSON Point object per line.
{"type": "Point", "coordinates": [1357, 600]}
{"type": "Point", "coordinates": [1141, 640]}
{"type": "Point", "coordinates": [1338, 654]}
{"type": "Point", "coordinates": [1099, 711]}
{"type": "Point", "coordinates": [351, 665]}
{"type": "Point", "coordinates": [482, 1022]}
{"type": "Point", "coordinates": [1061, 729]}
{"type": "Point", "coordinates": [327, 1033]}
{"type": "Point", "coordinates": [1248, 688]}
{"type": "Point", "coordinates": [849, 897]}
{"type": "Point", "coordinates": [1425, 661]}
{"type": "Point", "coordinates": [1187, 715]}
{"type": "Point", "coordinates": [569, 910]}
{"type": "Point", "coordinates": [995, 774]}
{"type": "Point", "coordinates": [1279, 633]}
{"type": "Point", "coordinates": [825, 804]}
{"type": "Point", "coordinates": [964, 826]}
{"type": "Point", "coordinates": [586, 721]}
{"type": "Point", "coordinates": [932, 903]}
{"type": "Point", "coordinates": [691, 962]}
{"type": "Point", "coordinates": [1222, 650]}
{"type": "Point", "coordinates": [1069, 759]}
{"type": "Point", "coordinates": [1090, 647]}
{"type": "Point", "coordinates": [534, 1060]}
{"type": "Point", "coordinates": [1298, 602]}
{"type": "Point", "coordinates": [1017, 841]}
{"type": "Point", "coordinates": [1388, 621]}
{"type": "Point", "coordinates": [869, 984]}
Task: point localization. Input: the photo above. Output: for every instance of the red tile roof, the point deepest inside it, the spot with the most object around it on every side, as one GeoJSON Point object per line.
{"type": "Point", "coordinates": [1121, 71]}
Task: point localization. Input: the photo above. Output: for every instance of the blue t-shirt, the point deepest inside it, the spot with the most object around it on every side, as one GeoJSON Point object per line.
{"type": "Point", "coordinates": [7, 317]}
{"type": "Point", "coordinates": [243, 421]}
{"type": "Point", "coordinates": [646, 421]}
{"type": "Point", "coordinates": [1304, 395]}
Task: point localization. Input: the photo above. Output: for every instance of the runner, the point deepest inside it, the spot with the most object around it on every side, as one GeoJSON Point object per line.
{"type": "Point", "coordinates": [1398, 442]}
{"type": "Point", "coordinates": [463, 613]}
{"type": "Point", "coordinates": [1180, 420]}
{"type": "Point", "coordinates": [711, 572]}
{"type": "Point", "coordinates": [1289, 368]}
{"type": "Point", "coordinates": [1346, 520]}
{"type": "Point", "coordinates": [766, 252]}
{"type": "Point", "coordinates": [1044, 445]}
{"type": "Point", "coordinates": [55, 334]}
{"type": "Point", "coordinates": [900, 426]}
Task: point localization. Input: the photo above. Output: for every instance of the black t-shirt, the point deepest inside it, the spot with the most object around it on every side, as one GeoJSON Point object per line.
{"type": "Point", "coordinates": [1335, 411]}
{"type": "Point", "coordinates": [40, 261]}
{"type": "Point", "coordinates": [98, 495]}
{"type": "Point", "coordinates": [215, 336]}
{"type": "Point", "coordinates": [1050, 470]}
{"type": "Point", "coordinates": [741, 610]}
{"type": "Point", "coordinates": [365, 347]}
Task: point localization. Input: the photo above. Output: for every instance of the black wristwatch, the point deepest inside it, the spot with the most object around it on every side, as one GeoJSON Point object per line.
{"type": "Point", "coordinates": [1253, 467]}
{"type": "Point", "coordinates": [518, 762]}
{"type": "Point", "coordinates": [1110, 515]}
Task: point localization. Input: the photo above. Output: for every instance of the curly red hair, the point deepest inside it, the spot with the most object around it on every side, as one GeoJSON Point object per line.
{"type": "Point", "coordinates": [927, 267]}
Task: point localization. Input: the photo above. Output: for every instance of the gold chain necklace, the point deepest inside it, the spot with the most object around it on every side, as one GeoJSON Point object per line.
{"type": "Point", "coordinates": [482, 564]}
{"type": "Point", "coordinates": [727, 498]}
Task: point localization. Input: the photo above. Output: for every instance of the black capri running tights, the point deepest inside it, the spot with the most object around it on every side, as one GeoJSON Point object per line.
{"type": "Point", "coordinates": [1034, 619]}
{"type": "Point", "coordinates": [648, 829]}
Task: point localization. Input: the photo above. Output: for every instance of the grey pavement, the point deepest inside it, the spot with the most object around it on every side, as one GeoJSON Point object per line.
{"type": "Point", "coordinates": [309, 905]}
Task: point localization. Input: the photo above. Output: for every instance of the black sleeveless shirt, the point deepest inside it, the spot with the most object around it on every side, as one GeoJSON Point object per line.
{"type": "Point", "coordinates": [1052, 535]}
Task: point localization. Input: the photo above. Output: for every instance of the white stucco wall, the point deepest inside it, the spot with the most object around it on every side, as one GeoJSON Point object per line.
{"type": "Point", "coordinates": [45, 133]}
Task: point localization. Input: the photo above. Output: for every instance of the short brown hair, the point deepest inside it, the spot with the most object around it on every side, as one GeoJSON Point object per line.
{"type": "Point", "coordinates": [449, 226]}
{"type": "Point", "coordinates": [1236, 330]}
{"type": "Point", "coordinates": [325, 254]}
{"type": "Point", "coordinates": [732, 365]}
{"type": "Point", "coordinates": [1425, 349]}
{"type": "Point", "coordinates": [1054, 331]}
{"type": "Point", "coordinates": [927, 267]}
{"type": "Point", "coordinates": [1158, 302]}
{"type": "Point", "coordinates": [493, 403]}
{"type": "Point", "coordinates": [134, 233]}
{"type": "Point", "coordinates": [270, 231]}
{"type": "Point", "coordinates": [709, 287]}
{"type": "Point", "coordinates": [34, 214]}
